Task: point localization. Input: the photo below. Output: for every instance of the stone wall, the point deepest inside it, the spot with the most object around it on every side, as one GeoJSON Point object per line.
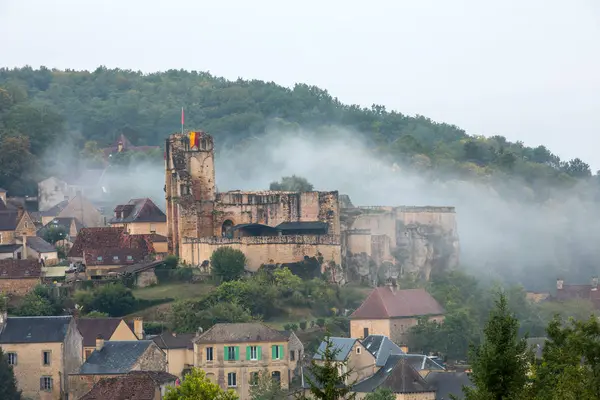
{"type": "Point", "coordinates": [18, 287]}
{"type": "Point", "coordinates": [266, 249]}
{"type": "Point", "coordinates": [153, 359]}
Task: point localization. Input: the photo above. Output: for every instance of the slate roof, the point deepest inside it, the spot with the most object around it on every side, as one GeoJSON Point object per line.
{"type": "Point", "coordinates": [381, 347]}
{"type": "Point", "coordinates": [8, 220]}
{"type": "Point", "coordinates": [40, 245]}
{"type": "Point", "coordinates": [301, 226]}
{"type": "Point", "coordinates": [19, 269]}
{"type": "Point", "coordinates": [35, 329]}
{"type": "Point", "coordinates": [421, 362]}
{"type": "Point", "coordinates": [397, 375]}
{"type": "Point", "coordinates": [90, 328]}
{"type": "Point", "coordinates": [240, 332]}
{"type": "Point", "coordinates": [139, 210]}
{"type": "Point", "coordinates": [384, 302]}
{"type": "Point", "coordinates": [116, 357]}
{"type": "Point", "coordinates": [63, 222]}
{"type": "Point", "coordinates": [55, 210]}
{"type": "Point", "coordinates": [107, 256]}
{"type": "Point", "coordinates": [448, 383]}
{"type": "Point", "coordinates": [9, 248]}
{"type": "Point", "coordinates": [342, 345]}
{"type": "Point", "coordinates": [108, 237]}
{"type": "Point", "coordinates": [170, 340]}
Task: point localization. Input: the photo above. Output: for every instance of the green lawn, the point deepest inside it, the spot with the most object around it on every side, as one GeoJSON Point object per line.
{"type": "Point", "coordinates": [177, 291]}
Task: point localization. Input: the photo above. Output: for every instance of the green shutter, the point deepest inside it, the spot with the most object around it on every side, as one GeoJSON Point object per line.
{"type": "Point", "coordinates": [226, 354]}
{"type": "Point", "coordinates": [236, 351]}
{"type": "Point", "coordinates": [273, 354]}
{"type": "Point", "coordinates": [259, 352]}
{"type": "Point", "coordinates": [247, 353]}
{"type": "Point", "coordinates": [281, 356]}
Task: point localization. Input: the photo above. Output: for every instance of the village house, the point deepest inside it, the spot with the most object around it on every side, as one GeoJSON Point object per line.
{"type": "Point", "coordinates": [573, 292]}
{"type": "Point", "coordinates": [136, 385]}
{"type": "Point", "coordinates": [77, 207]}
{"type": "Point", "coordinates": [10, 251]}
{"type": "Point", "coordinates": [140, 216]}
{"type": "Point", "coordinates": [15, 222]}
{"type": "Point", "coordinates": [179, 349]}
{"type": "Point", "coordinates": [19, 277]}
{"type": "Point", "coordinates": [296, 352]}
{"type": "Point", "coordinates": [351, 357]}
{"type": "Point", "coordinates": [111, 359]}
{"type": "Point", "coordinates": [35, 247]}
{"type": "Point", "coordinates": [100, 262]}
{"type": "Point", "coordinates": [42, 351]}
{"type": "Point", "coordinates": [233, 355]}
{"type": "Point", "coordinates": [114, 329]}
{"type": "Point", "coordinates": [143, 274]}
{"type": "Point", "coordinates": [122, 144]}
{"type": "Point", "coordinates": [391, 312]}
{"type": "Point", "coordinates": [53, 190]}
{"type": "Point", "coordinates": [68, 225]}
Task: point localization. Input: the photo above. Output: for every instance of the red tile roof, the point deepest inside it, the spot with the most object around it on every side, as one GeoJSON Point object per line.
{"type": "Point", "coordinates": [124, 256]}
{"type": "Point", "coordinates": [384, 303]}
{"type": "Point", "coordinates": [133, 386]}
{"type": "Point", "coordinates": [19, 269]}
{"type": "Point", "coordinates": [109, 237]}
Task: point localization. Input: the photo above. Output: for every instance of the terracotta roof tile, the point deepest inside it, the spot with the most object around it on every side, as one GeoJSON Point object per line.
{"type": "Point", "coordinates": [383, 303]}
{"type": "Point", "coordinates": [109, 237]}
{"type": "Point", "coordinates": [18, 269]}
{"type": "Point", "coordinates": [114, 256]}
{"type": "Point", "coordinates": [133, 386]}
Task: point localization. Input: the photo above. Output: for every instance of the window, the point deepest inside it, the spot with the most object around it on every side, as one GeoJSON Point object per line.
{"type": "Point", "coordinates": [209, 354]}
{"type": "Point", "coordinates": [252, 353]}
{"type": "Point", "coordinates": [358, 350]}
{"type": "Point", "coordinates": [99, 258]}
{"type": "Point", "coordinates": [115, 258]}
{"type": "Point", "coordinates": [276, 376]}
{"type": "Point", "coordinates": [26, 224]}
{"type": "Point", "coordinates": [46, 383]}
{"type": "Point", "coordinates": [292, 355]}
{"type": "Point", "coordinates": [12, 358]}
{"type": "Point", "coordinates": [129, 258]}
{"type": "Point", "coordinates": [46, 357]}
{"type": "Point", "coordinates": [152, 228]}
{"type": "Point", "coordinates": [0, 238]}
{"type": "Point", "coordinates": [253, 378]}
{"type": "Point", "coordinates": [277, 352]}
{"type": "Point", "coordinates": [231, 379]}
{"type": "Point", "coordinates": [365, 332]}
{"type": "Point", "coordinates": [88, 353]}
{"type": "Point", "coordinates": [232, 353]}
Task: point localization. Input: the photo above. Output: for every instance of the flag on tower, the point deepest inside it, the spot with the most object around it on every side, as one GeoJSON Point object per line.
{"type": "Point", "coordinates": [182, 120]}
{"type": "Point", "coordinates": [193, 139]}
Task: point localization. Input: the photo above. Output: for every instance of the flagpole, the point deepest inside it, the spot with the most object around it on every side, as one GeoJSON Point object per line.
{"type": "Point", "coordinates": [182, 120]}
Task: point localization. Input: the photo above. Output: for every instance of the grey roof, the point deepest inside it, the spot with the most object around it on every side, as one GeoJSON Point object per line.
{"type": "Point", "coordinates": [421, 362]}
{"type": "Point", "coordinates": [63, 222]}
{"type": "Point", "coordinates": [448, 383]}
{"type": "Point", "coordinates": [40, 245]}
{"type": "Point", "coordinates": [9, 248]}
{"type": "Point", "coordinates": [115, 357]}
{"type": "Point", "coordinates": [397, 375]}
{"type": "Point", "coordinates": [302, 225]}
{"type": "Point", "coordinates": [55, 210]}
{"type": "Point", "coordinates": [8, 220]}
{"type": "Point", "coordinates": [381, 347]}
{"type": "Point", "coordinates": [343, 346]}
{"type": "Point", "coordinates": [240, 332]}
{"type": "Point", "coordinates": [35, 329]}
{"type": "Point", "coordinates": [171, 340]}
{"type": "Point", "coordinates": [139, 210]}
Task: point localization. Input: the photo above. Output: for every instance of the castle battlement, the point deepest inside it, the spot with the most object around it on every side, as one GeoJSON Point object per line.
{"type": "Point", "coordinates": [333, 240]}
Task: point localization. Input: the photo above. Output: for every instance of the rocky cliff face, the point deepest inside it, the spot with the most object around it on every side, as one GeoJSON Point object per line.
{"type": "Point", "coordinates": [392, 243]}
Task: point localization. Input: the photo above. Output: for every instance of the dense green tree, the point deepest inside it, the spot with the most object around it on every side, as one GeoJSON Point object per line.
{"type": "Point", "coordinates": [196, 386]}
{"type": "Point", "coordinates": [113, 299]}
{"type": "Point", "coordinates": [53, 234]}
{"type": "Point", "coordinates": [227, 264]}
{"type": "Point", "coordinates": [8, 382]}
{"type": "Point", "coordinates": [266, 388]}
{"type": "Point", "coordinates": [381, 394]}
{"type": "Point", "coordinates": [189, 316]}
{"type": "Point", "coordinates": [292, 184]}
{"type": "Point", "coordinates": [501, 362]}
{"type": "Point", "coordinates": [35, 305]}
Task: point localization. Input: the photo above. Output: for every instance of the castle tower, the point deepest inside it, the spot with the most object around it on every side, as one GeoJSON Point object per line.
{"type": "Point", "coordinates": [189, 187]}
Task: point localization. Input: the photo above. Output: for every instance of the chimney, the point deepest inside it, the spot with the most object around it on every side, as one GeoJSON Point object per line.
{"type": "Point", "coordinates": [595, 283]}
{"type": "Point", "coordinates": [404, 348]}
{"type": "Point", "coordinates": [559, 284]}
{"type": "Point", "coordinates": [24, 247]}
{"type": "Point", "coordinates": [120, 147]}
{"type": "Point", "coordinates": [138, 327]}
{"type": "Point", "coordinates": [20, 212]}
{"type": "Point", "coordinates": [391, 283]}
{"type": "Point", "coordinates": [99, 342]}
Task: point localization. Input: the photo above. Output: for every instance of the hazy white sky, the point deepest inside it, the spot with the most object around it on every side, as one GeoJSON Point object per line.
{"type": "Point", "coordinates": [525, 69]}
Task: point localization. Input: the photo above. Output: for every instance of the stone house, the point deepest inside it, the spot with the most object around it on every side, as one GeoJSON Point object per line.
{"type": "Point", "coordinates": [122, 144]}
{"type": "Point", "coordinates": [143, 274]}
{"type": "Point", "coordinates": [100, 238]}
{"type": "Point", "coordinates": [19, 277]}
{"type": "Point", "coordinates": [100, 262]}
{"type": "Point", "coordinates": [70, 225]}
{"type": "Point", "coordinates": [38, 249]}
{"type": "Point", "coordinates": [352, 357]}
{"type": "Point", "coordinates": [53, 190]}
{"type": "Point", "coordinates": [179, 348]}
{"type": "Point", "coordinates": [15, 222]}
{"type": "Point", "coordinates": [113, 329]}
{"type": "Point", "coordinates": [138, 385]}
{"type": "Point", "coordinates": [233, 355]}
{"type": "Point", "coordinates": [43, 351]}
{"type": "Point", "coordinates": [566, 292]}
{"type": "Point", "coordinates": [111, 359]}
{"type": "Point", "coordinates": [10, 251]}
{"type": "Point", "coordinates": [296, 352]}
{"type": "Point", "coordinates": [140, 216]}
{"type": "Point", "coordinates": [391, 312]}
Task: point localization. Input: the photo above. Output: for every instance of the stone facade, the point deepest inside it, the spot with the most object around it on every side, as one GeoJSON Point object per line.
{"type": "Point", "coordinates": [396, 329]}
{"type": "Point", "coordinates": [367, 242]}
{"type": "Point", "coordinates": [18, 286]}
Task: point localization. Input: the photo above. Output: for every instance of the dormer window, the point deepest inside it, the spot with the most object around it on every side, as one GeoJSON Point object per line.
{"type": "Point", "coordinates": [99, 258]}
{"type": "Point", "coordinates": [115, 258]}
{"type": "Point", "coordinates": [129, 258]}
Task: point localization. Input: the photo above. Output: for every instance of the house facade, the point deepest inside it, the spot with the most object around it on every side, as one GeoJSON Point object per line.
{"type": "Point", "coordinates": [19, 277]}
{"type": "Point", "coordinates": [391, 312]}
{"type": "Point", "coordinates": [233, 355]}
{"type": "Point", "coordinates": [113, 329]}
{"type": "Point", "coordinates": [140, 216]}
{"type": "Point", "coordinates": [179, 348]}
{"type": "Point", "coordinates": [53, 190]}
{"type": "Point", "coordinates": [42, 351]}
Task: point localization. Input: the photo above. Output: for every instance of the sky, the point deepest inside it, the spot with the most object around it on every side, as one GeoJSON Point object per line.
{"type": "Point", "coordinates": [525, 69]}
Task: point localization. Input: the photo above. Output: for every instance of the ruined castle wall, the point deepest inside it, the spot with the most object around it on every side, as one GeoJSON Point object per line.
{"type": "Point", "coordinates": [442, 217]}
{"type": "Point", "coordinates": [267, 249]}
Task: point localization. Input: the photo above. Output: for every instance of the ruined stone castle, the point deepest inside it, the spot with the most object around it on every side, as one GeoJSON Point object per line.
{"type": "Point", "coordinates": [279, 227]}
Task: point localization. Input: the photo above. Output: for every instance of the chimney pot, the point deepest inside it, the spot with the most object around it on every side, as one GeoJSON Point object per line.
{"type": "Point", "coordinates": [138, 327]}
{"type": "Point", "coordinates": [99, 342]}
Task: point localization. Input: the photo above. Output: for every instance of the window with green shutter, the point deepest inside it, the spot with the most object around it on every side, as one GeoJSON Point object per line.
{"type": "Point", "coordinates": [226, 353]}
{"type": "Point", "coordinates": [281, 356]}
{"type": "Point", "coordinates": [236, 353]}
{"type": "Point", "coordinates": [232, 353]}
{"type": "Point", "coordinates": [277, 352]}
{"type": "Point", "coordinates": [251, 353]}
{"type": "Point", "coordinates": [259, 352]}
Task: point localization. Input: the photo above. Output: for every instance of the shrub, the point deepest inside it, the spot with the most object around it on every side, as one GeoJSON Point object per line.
{"type": "Point", "coordinates": [321, 322]}
{"type": "Point", "coordinates": [227, 264]}
{"type": "Point", "coordinates": [303, 325]}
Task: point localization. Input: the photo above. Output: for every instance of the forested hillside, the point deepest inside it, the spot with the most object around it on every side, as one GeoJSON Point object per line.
{"type": "Point", "coordinates": [41, 111]}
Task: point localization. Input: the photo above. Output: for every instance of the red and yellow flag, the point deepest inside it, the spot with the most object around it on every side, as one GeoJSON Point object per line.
{"type": "Point", "coordinates": [193, 139]}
